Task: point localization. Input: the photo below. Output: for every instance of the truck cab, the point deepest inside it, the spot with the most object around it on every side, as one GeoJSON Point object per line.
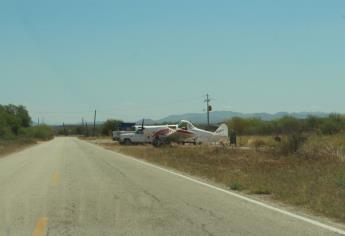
{"type": "Point", "coordinates": [124, 128]}
{"type": "Point", "coordinates": [139, 136]}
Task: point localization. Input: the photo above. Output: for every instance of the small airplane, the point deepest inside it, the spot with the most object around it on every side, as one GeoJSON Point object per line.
{"type": "Point", "coordinates": [151, 129]}
{"type": "Point", "coordinates": [186, 132]}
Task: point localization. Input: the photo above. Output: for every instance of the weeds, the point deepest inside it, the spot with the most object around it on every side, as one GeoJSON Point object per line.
{"type": "Point", "coordinates": [341, 183]}
{"type": "Point", "coordinates": [236, 186]}
{"type": "Point", "coordinates": [324, 147]}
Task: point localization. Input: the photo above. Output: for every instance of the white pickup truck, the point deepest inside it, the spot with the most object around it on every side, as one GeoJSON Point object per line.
{"type": "Point", "coordinates": [124, 128]}
{"type": "Point", "coordinates": [117, 134]}
{"type": "Point", "coordinates": [136, 137]}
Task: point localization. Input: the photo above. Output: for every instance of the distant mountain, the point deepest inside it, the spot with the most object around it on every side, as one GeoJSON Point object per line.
{"type": "Point", "coordinates": [220, 116]}
{"type": "Point", "coordinates": [146, 122]}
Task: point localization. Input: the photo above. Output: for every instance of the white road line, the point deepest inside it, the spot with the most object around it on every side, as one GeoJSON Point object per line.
{"type": "Point", "coordinates": [310, 221]}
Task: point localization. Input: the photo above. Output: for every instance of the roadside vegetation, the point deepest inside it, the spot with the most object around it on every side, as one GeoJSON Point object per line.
{"type": "Point", "coordinates": [332, 124]}
{"type": "Point", "coordinates": [16, 130]}
{"type": "Point", "coordinates": [299, 162]}
{"type": "Point", "coordinates": [86, 129]}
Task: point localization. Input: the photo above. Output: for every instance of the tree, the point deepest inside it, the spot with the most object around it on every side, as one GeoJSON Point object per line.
{"type": "Point", "coordinates": [294, 129]}
{"type": "Point", "coordinates": [313, 123]}
{"type": "Point", "coordinates": [23, 116]}
{"type": "Point", "coordinates": [110, 125]}
{"type": "Point", "coordinates": [333, 124]}
{"type": "Point", "coordinates": [12, 120]}
{"type": "Point", "coordinates": [238, 124]}
{"type": "Point", "coordinates": [290, 125]}
{"type": "Point", "coordinates": [5, 131]}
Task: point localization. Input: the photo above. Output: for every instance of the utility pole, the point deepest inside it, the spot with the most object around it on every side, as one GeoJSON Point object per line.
{"type": "Point", "coordinates": [208, 108]}
{"type": "Point", "coordinates": [82, 127]}
{"type": "Point", "coordinates": [38, 121]}
{"type": "Point", "coordinates": [64, 129]}
{"type": "Point", "coordinates": [87, 129]}
{"type": "Point", "coordinates": [94, 124]}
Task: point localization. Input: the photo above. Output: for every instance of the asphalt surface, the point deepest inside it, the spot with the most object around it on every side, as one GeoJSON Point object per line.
{"type": "Point", "coordinates": [71, 187]}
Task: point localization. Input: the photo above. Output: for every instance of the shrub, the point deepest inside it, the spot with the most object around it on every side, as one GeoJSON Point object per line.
{"type": "Point", "coordinates": [324, 147]}
{"type": "Point", "coordinates": [341, 183]}
{"type": "Point", "coordinates": [256, 143]}
{"type": "Point", "coordinates": [12, 119]}
{"type": "Point", "coordinates": [292, 144]}
{"type": "Point", "coordinates": [237, 186]}
{"type": "Point", "coordinates": [109, 126]}
{"type": "Point", "coordinates": [333, 124]}
{"type": "Point", "coordinates": [5, 131]}
{"type": "Point", "coordinates": [238, 124]}
{"type": "Point", "coordinates": [42, 132]}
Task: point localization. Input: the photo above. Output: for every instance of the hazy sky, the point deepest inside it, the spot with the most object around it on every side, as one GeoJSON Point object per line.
{"type": "Point", "coordinates": [133, 59]}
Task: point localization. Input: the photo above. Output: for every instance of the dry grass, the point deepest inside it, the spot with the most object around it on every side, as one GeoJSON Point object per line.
{"type": "Point", "coordinates": [315, 184]}
{"type": "Point", "coordinates": [10, 146]}
{"type": "Point", "coordinates": [250, 140]}
{"type": "Point", "coordinates": [92, 138]}
{"type": "Point", "coordinates": [320, 147]}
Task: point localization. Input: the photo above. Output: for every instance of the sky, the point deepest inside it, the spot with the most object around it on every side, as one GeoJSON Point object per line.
{"type": "Point", "coordinates": [134, 59]}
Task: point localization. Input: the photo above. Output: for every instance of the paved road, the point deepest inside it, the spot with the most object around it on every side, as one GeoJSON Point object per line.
{"type": "Point", "coordinates": [71, 187]}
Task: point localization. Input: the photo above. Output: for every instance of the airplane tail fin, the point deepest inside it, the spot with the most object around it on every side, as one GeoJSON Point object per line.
{"type": "Point", "coordinates": [222, 130]}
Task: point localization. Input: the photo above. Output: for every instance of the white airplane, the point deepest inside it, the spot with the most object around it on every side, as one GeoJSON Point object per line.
{"type": "Point", "coordinates": [187, 132]}
{"type": "Point", "coordinates": [151, 129]}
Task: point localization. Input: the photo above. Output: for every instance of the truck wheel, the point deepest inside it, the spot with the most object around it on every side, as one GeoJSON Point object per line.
{"type": "Point", "coordinates": [157, 142]}
{"type": "Point", "coordinates": [127, 142]}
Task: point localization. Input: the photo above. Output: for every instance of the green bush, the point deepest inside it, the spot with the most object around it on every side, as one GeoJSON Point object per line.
{"type": "Point", "coordinates": [15, 125]}
{"type": "Point", "coordinates": [341, 183]}
{"type": "Point", "coordinates": [109, 126]}
{"type": "Point", "coordinates": [292, 144]}
{"type": "Point", "coordinates": [236, 186]}
{"type": "Point", "coordinates": [5, 130]}
{"type": "Point", "coordinates": [333, 125]}
{"type": "Point", "coordinates": [287, 125]}
{"type": "Point", "coordinates": [42, 132]}
{"type": "Point", "coordinates": [14, 118]}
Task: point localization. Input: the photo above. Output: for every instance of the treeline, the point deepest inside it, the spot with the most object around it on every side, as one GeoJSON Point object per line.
{"type": "Point", "coordinates": [333, 124]}
{"type": "Point", "coordinates": [15, 122]}
{"type": "Point", "coordinates": [87, 129]}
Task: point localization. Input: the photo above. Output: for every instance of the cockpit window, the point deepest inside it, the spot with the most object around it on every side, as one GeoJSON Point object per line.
{"type": "Point", "coordinates": [185, 125]}
{"type": "Point", "coordinates": [182, 125]}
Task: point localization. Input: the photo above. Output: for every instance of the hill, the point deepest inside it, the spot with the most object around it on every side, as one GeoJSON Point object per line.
{"type": "Point", "coordinates": [220, 116]}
